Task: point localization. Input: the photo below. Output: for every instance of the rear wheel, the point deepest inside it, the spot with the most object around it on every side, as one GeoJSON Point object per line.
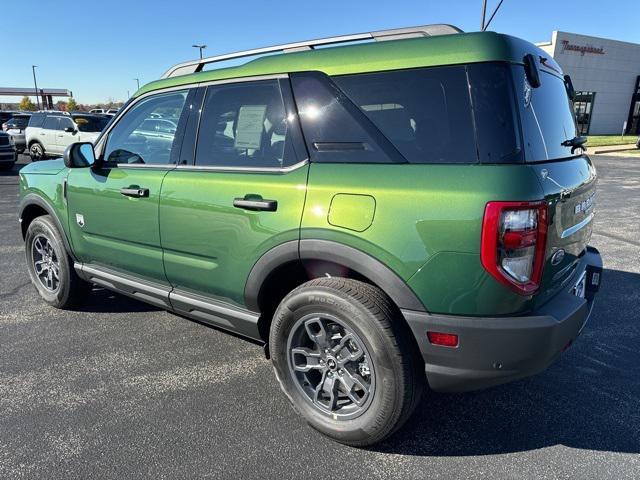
{"type": "Point", "coordinates": [36, 151]}
{"type": "Point", "coordinates": [50, 267]}
{"type": "Point", "coordinates": [345, 360]}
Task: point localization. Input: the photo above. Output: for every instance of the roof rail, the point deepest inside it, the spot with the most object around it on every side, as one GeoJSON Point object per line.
{"type": "Point", "coordinates": [194, 66]}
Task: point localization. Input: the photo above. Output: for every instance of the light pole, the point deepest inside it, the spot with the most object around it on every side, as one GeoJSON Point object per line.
{"type": "Point", "coordinates": [201, 47]}
{"type": "Point", "coordinates": [35, 83]}
{"type": "Point", "coordinates": [138, 82]}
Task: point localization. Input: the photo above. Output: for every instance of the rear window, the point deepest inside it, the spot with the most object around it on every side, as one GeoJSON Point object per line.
{"type": "Point", "coordinates": [88, 123]}
{"type": "Point", "coordinates": [546, 116]}
{"type": "Point", "coordinates": [425, 113]}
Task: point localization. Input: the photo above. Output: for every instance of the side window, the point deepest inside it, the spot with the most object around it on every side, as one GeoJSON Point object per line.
{"type": "Point", "coordinates": [36, 120]}
{"type": "Point", "coordinates": [134, 140]}
{"type": "Point", "coordinates": [425, 113]}
{"type": "Point", "coordinates": [51, 123]}
{"type": "Point", "coordinates": [335, 129]}
{"type": "Point", "coordinates": [244, 125]}
{"type": "Point", "coordinates": [65, 122]}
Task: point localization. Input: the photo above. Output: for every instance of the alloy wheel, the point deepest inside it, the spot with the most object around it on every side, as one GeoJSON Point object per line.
{"type": "Point", "coordinates": [46, 264]}
{"type": "Point", "coordinates": [36, 151]}
{"type": "Point", "coordinates": [331, 366]}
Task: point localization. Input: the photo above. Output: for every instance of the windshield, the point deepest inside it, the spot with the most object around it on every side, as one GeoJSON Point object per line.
{"type": "Point", "coordinates": [546, 116]}
{"type": "Point", "coordinates": [90, 123]}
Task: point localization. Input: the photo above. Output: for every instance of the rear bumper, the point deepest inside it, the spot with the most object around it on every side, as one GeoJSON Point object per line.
{"type": "Point", "coordinates": [495, 350]}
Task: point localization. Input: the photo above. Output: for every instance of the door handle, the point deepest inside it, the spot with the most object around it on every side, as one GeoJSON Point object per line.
{"type": "Point", "coordinates": [255, 203]}
{"type": "Point", "coordinates": [136, 192]}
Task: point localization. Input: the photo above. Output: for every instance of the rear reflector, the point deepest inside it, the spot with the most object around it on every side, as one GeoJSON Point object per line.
{"type": "Point", "coordinates": [444, 339]}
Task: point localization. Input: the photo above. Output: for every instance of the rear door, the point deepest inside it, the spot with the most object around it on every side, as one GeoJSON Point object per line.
{"type": "Point", "coordinates": [113, 210]}
{"type": "Point", "coordinates": [242, 193]}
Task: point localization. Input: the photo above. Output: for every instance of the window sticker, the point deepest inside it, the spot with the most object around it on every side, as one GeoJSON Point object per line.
{"type": "Point", "coordinates": [250, 126]}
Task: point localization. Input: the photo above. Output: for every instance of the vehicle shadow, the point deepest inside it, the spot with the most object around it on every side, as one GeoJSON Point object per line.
{"type": "Point", "coordinates": [589, 399]}
{"type": "Point", "coordinates": [101, 300]}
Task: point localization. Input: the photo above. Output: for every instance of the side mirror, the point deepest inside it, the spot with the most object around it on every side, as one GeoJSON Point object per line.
{"type": "Point", "coordinates": [70, 130]}
{"type": "Point", "coordinates": [531, 70]}
{"type": "Point", "coordinates": [79, 155]}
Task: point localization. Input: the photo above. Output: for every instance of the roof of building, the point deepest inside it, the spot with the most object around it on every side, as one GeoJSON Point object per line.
{"type": "Point", "coordinates": [432, 51]}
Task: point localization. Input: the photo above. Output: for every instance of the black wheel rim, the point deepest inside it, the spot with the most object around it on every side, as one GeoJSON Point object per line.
{"type": "Point", "coordinates": [46, 264]}
{"type": "Point", "coordinates": [331, 366]}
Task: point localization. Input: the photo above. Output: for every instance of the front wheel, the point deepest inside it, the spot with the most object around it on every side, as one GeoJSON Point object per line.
{"type": "Point", "coordinates": [346, 360]}
{"type": "Point", "coordinates": [50, 267]}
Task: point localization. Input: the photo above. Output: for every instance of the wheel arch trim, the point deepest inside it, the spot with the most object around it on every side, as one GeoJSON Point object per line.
{"type": "Point", "coordinates": [33, 199]}
{"type": "Point", "coordinates": [326, 250]}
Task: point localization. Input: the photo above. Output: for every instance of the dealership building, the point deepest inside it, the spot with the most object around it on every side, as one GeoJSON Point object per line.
{"type": "Point", "coordinates": [606, 77]}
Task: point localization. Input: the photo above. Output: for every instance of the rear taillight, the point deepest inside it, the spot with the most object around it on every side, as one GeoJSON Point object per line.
{"type": "Point", "coordinates": [514, 236]}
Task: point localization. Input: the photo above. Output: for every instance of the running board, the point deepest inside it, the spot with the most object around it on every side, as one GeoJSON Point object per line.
{"type": "Point", "coordinates": [204, 309]}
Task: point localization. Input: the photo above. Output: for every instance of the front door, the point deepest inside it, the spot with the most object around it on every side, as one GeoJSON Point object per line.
{"type": "Point", "coordinates": [113, 210]}
{"type": "Point", "coordinates": [64, 138]}
{"type": "Point", "coordinates": [242, 194]}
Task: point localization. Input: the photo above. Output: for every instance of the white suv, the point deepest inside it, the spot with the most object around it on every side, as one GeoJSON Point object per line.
{"type": "Point", "coordinates": [49, 133]}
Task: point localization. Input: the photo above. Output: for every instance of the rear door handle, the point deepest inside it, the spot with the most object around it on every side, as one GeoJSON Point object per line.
{"type": "Point", "coordinates": [255, 204]}
{"type": "Point", "coordinates": [136, 192]}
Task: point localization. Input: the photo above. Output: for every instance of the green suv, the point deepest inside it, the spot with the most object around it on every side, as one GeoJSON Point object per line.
{"type": "Point", "coordinates": [383, 215]}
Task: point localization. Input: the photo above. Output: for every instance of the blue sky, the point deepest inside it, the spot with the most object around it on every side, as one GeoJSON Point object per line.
{"type": "Point", "coordinates": [96, 48]}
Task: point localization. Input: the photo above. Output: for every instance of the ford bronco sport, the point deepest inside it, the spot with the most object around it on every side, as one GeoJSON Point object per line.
{"type": "Point", "coordinates": [383, 216]}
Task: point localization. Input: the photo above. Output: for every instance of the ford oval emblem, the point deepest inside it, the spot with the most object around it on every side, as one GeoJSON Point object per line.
{"type": "Point", "coordinates": [557, 257]}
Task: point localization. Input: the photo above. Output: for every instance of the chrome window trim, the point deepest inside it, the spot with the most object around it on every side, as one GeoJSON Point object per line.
{"type": "Point", "coordinates": [156, 166]}
{"type": "Point", "coordinates": [210, 168]}
{"type": "Point", "coordinates": [100, 144]}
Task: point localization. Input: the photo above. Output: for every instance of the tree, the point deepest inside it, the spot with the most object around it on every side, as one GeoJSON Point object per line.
{"type": "Point", "coordinates": [27, 105]}
{"type": "Point", "coordinates": [72, 105]}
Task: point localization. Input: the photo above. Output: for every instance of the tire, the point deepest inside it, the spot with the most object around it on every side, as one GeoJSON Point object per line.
{"type": "Point", "coordinates": [389, 370]}
{"type": "Point", "coordinates": [65, 289]}
{"type": "Point", "coordinates": [37, 152]}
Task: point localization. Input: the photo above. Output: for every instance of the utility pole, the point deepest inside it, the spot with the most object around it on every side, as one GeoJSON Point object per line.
{"type": "Point", "coordinates": [201, 47]}
{"type": "Point", "coordinates": [35, 83]}
{"type": "Point", "coordinates": [484, 14]}
{"type": "Point", "coordinates": [138, 82]}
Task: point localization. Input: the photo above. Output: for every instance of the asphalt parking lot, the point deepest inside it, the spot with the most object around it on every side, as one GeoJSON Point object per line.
{"type": "Point", "coordinates": [122, 390]}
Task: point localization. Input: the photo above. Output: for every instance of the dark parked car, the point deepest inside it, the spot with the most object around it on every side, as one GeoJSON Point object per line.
{"type": "Point", "coordinates": [7, 151]}
{"type": "Point", "coordinates": [15, 127]}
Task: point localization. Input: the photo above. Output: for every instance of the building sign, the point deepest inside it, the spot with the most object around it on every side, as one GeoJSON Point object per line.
{"type": "Point", "coordinates": [581, 48]}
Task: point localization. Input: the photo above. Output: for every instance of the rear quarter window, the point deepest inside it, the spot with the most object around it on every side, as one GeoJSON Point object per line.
{"type": "Point", "coordinates": [36, 120]}
{"type": "Point", "coordinates": [425, 113]}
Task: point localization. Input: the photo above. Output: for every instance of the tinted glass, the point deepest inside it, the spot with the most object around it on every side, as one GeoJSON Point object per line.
{"type": "Point", "coordinates": [18, 122]}
{"type": "Point", "coordinates": [51, 123]}
{"type": "Point", "coordinates": [334, 127]}
{"type": "Point", "coordinates": [495, 114]}
{"type": "Point", "coordinates": [244, 125]}
{"type": "Point", "coordinates": [425, 113]}
{"type": "Point", "coordinates": [89, 123]}
{"type": "Point", "coordinates": [130, 142]}
{"type": "Point", "coordinates": [36, 120]}
{"type": "Point", "coordinates": [546, 116]}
